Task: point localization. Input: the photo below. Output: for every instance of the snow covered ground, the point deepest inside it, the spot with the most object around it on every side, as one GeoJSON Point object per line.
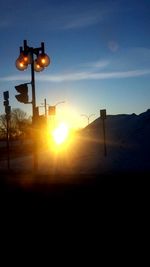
{"type": "Point", "coordinates": [127, 143]}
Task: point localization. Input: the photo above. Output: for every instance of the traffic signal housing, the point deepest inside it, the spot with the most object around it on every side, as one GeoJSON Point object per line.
{"type": "Point", "coordinates": [6, 95]}
{"type": "Point", "coordinates": [23, 90]}
{"type": "Point", "coordinates": [6, 102]}
{"type": "Point", "coordinates": [52, 110]}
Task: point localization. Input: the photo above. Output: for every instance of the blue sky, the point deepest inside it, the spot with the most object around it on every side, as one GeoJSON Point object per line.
{"type": "Point", "coordinates": [99, 50]}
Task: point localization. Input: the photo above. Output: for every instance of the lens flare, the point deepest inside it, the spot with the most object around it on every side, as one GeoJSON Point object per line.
{"type": "Point", "coordinates": [60, 134]}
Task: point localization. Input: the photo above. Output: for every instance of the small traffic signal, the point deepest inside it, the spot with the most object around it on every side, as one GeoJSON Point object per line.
{"type": "Point", "coordinates": [6, 102]}
{"type": "Point", "coordinates": [52, 110]}
{"type": "Point", "coordinates": [6, 95]}
{"type": "Point", "coordinates": [23, 90]}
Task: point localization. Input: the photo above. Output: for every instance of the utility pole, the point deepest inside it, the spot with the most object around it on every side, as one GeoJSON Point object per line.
{"type": "Point", "coordinates": [45, 107]}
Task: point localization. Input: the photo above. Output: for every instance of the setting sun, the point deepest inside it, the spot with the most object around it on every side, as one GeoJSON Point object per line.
{"type": "Point", "coordinates": [60, 134]}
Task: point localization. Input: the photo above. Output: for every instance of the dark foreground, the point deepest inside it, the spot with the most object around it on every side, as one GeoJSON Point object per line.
{"type": "Point", "coordinates": [109, 209]}
{"type": "Point", "coordinates": [74, 195]}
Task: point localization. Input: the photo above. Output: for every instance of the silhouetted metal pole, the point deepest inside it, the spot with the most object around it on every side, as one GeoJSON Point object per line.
{"type": "Point", "coordinates": [7, 116]}
{"type": "Point", "coordinates": [33, 87]}
{"type": "Point", "coordinates": [104, 134]}
{"type": "Point", "coordinates": [41, 61]}
{"type": "Point", "coordinates": [103, 117]}
{"type": "Point", "coordinates": [7, 140]}
{"type": "Point", "coordinates": [35, 152]}
{"type": "Point", "coordinates": [45, 107]}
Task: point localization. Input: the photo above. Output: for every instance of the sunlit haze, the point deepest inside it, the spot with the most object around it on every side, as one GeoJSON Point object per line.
{"type": "Point", "coordinates": [60, 134]}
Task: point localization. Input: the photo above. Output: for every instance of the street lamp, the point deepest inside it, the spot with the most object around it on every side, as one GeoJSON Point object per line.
{"type": "Point", "coordinates": [61, 102]}
{"type": "Point", "coordinates": [88, 117]}
{"type": "Point", "coordinates": [38, 59]}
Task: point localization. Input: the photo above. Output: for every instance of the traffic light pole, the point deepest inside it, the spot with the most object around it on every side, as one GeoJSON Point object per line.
{"type": "Point", "coordinates": [38, 63]}
{"type": "Point", "coordinates": [33, 87]}
{"type": "Point", "coordinates": [7, 140]}
{"type": "Point", "coordinates": [7, 114]}
{"type": "Point", "coordinates": [35, 153]}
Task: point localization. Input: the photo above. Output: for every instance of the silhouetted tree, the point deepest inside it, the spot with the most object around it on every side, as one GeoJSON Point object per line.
{"type": "Point", "coordinates": [19, 123]}
{"type": "Point", "coordinates": [3, 125]}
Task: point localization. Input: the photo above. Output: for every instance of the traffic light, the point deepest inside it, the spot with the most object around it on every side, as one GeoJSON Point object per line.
{"type": "Point", "coordinates": [23, 90]}
{"type": "Point", "coordinates": [6, 102]}
{"type": "Point", "coordinates": [52, 110]}
{"type": "Point", "coordinates": [6, 95]}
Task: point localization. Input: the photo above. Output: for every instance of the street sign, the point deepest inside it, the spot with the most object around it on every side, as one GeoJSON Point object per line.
{"type": "Point", "coordinates": [103, 114]}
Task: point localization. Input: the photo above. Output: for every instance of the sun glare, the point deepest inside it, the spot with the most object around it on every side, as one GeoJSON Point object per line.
{"type": "Point", "coordinates": [60, 134]}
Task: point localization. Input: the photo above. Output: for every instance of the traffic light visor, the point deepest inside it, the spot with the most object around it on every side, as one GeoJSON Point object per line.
{"type": "Point", "coordinates": [23, 90]}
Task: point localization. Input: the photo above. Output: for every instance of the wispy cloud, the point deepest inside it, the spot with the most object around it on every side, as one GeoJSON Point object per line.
{"type": "Point", "coordinates": [77, 15]}
{"type": "Point", "coordinates": [15, 78]}
{"type": "Point", "coordinates": [80, 21]}
{"type": "Point", "coordinates": [96, 64]}
{"type": "Point", "coordinates": [79, 76]}
{"type": "Point", "coordinates": [69, 15]}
